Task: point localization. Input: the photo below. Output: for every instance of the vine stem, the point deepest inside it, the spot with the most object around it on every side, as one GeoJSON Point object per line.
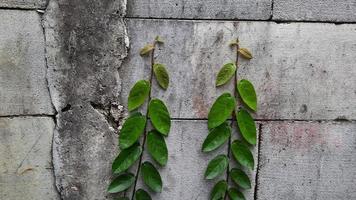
{"type": "Point", "coordinates": [233, 116]}
{"type": "Point", "coordinates": [145, 132]}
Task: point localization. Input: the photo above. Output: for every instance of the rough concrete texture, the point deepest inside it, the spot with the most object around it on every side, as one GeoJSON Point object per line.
{"type": "Point", "coordinates": [27, 4]}
{"type": "Point", "coordinates": [307, 160]}
{"type": "Point", "coordinates": [26, 160]}
{"type": "Point", "coordinates": [86, 42]}
{"type": "Point", "coordinates": [300, 70]}
{"type": "Point", "coordinates": [183, 176]}
{"type": "Point", "coordinates": [200, 9]}
{"type": "Point", "coordinates": [315, 10]}
{"type": "Point", "coordinates": [23, 87]}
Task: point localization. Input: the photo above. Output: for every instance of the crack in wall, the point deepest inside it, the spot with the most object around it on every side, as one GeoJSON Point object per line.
{"type": "Point", "coordinates": [258, 161]}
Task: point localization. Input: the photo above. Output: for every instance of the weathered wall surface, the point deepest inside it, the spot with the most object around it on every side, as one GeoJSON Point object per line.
{"type": "Point", "coordinates": [85, 43]}
{"type": "Point", "coordinates": [59, 94]}
{"type": "Point", "coordinates": [26, 111]}
{"type": "Point", "coordinates": [64, 79]}
{"type": "Point", "coordinates": [299, 75]}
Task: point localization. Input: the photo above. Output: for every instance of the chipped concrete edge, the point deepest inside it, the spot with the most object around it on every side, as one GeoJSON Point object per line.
{"type": "Point", "coordinates": [107, 114]}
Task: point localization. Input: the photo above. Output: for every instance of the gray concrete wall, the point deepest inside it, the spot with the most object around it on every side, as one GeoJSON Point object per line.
{"type": "Point", "coordinates": [66, 68]}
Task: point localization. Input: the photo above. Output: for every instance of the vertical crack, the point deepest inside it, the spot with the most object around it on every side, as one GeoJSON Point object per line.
{"type": "Point", "coordinates": [258, 161]}
{"type": "Point", "coordinates": [54, 117]}
{"type": "Point", "coordinates": [272, 7]}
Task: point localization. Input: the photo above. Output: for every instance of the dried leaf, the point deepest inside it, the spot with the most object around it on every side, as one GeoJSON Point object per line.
{"type": "Point", "coordinates": [159, 39]}
{"type": "Point", "coordinates": [146, 50]}
{"type": "Point", "coordinates": [245, 53]}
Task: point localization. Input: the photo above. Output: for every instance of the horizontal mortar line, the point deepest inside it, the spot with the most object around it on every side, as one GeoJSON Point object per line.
{"type": "Point", "coordinates": [23, 9]}
{"type": "Point", "coordinates": [271, 120]}
{"type": "Point", "coordinates": [243, 20]}
{"type": "Point", "coordinates": [29, 115]}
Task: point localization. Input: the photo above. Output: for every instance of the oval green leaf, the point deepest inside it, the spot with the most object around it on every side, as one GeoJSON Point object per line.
{"type": "Point", "coordinates": [245, 53]}
{"type": "Point", "coordinates": [217, 137]}
{"type": "Point", "coordinates": [247, 126]}
{"type": "Point", "coordinates": [221, 110]}
{"type": "Point", "coordinates": [146, 50]}
{"type": "Point", "coordinates": [121, 183]}
{"type": "Point", "coordinates": [247, 93]}
{"type": "Point", "coordinates": [126, 158]}
{"type": "Point", "coordinates": [219, 190]}
{"type": "Point", "coordinates": [132, 130]}
{"type": "Point", "coordinates": [225, 74]}
{"type": "Point", "coordinates": [240, 178]}
{"type": "Point", "coordinates": [242, 154]}
{"type": "Point", "coordinates": [151, 177]}
{"type": "Point", "coordinates": [234, 194]}
{"type": "Point", "coordinates": [142, 195]}
{"type": "Point", "coordinates": [159, 116]}
{"type": "Point", "coordinates": [161, 75]}
{"type": "Point", "coordinates": [157, 147]}
{"type": "Point", "coordinates": [216, 166]}
{"type": "Point", "coordinates": [138, 94]}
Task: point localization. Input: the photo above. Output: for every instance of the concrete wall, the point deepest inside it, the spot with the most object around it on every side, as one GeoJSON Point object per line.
{"type": "Point", "coordinates": [66, 68]}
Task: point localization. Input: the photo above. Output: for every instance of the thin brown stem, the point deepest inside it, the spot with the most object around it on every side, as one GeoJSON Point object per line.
{"type": "Point", "coordinates": [145, 129]}
{"type": "Point", "coordinates": [233, 116]}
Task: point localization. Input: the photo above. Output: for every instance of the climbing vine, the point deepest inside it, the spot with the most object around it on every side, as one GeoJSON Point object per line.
{"type": "Point", "coordinates": [135, 126]}
{"type": "Point", "coordinates": [220, 130]}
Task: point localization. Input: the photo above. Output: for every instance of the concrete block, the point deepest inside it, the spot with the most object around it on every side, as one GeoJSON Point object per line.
{"type": "Point", "coordinates": [300, 70]}
{"type": "Point", "coordinates": [317, 10]}
{"type": "Point", "coordinates": [23, 87]}
{"type": "Point", "coordinates": [27, 4]}
{"type": "Point", "coordinates": [183, 176]}
{"type": "Point", "coordinates": [200, 9]}
{"type": "Point", "coordinates": [307, 160]}
{"type": "Point", "coordinates": [26, 162]}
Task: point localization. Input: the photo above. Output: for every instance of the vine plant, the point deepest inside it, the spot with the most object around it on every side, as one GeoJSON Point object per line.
{"type": "Point", "coordinates": [135, 126]}
{"type": "Point", "coordinates": [220, 130]}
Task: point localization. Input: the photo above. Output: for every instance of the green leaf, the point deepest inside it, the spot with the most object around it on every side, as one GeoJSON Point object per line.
{"type": "Point", "coordinates": [157, 147]}
{"type": "Point", "coordinates": [161, 75]}
{"type": "Point", "coordinates": [240, 178]}
{"type": "Point", "coordinates": [247, 126]}
{"type": "Point", "coordinates": [121, 183]}
{"type": "Point", "coordinates": [159, 39]}
{"type": "Point", "coordinates": [126, 158]}
{"type": "Point", "coordinates": [146, 50]}
{"type": "Point", "coordinates": [138, 94]}
{"type": "Point", "coordinates": [247, 93]}
{"type": "Point", "coordinates": [242, 154]}
{"type": "Point", "coordinates": [245, 53]}
{"type": "Point", "coordinates": [159, 116]}
{"type": "Point", "coordinates": [216, 166]}
{"type": "Point", "coordinates": [219, 190]}
{"type": "Point", "coordinates": [225, 74]}
{"type": "Point", "coordinates": [221, 110]}
{"type": "Point", "coordinates": [234, 194]}
{"type": "Point", "coordinates": [142, 195]}
{"type": "Point", "coordinates": [217, 137]}
{"type": "Point", "coordinates": [151, 177]}
{"type": "Point", "coordinates": [132, 130]}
